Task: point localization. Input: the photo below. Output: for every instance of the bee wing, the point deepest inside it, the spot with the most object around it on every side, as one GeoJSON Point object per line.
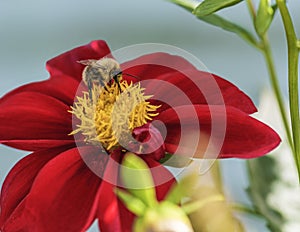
{"type": "Point", "coordinates": [91, 62]}
{"type": "Point", "coordinates": [87, 62]}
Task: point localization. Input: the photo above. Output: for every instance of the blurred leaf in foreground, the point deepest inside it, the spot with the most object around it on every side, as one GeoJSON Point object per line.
{"type": "Point", "coordinates": [277, 174]}
{"type": "Point", "coordinates": [262, 174]}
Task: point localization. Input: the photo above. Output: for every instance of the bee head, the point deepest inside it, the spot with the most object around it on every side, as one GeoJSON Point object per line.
{"type": "Point", "coordinates": [109, 67]}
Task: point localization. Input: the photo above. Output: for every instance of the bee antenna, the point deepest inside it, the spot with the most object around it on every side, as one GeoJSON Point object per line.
{"type": "Point", "coordinates": [130, 75]}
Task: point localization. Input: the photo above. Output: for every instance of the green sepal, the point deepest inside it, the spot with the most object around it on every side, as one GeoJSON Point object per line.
{"type": "Point", "coordinates": [133, 204]}
{"type": "Point", "coordinates": [138, 180]}
{"type": "Point", "coordinates": [183, 188]}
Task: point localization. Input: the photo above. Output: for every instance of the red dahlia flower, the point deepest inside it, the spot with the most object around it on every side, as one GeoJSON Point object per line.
{"type": "Point", "coordinates": [55, 189]}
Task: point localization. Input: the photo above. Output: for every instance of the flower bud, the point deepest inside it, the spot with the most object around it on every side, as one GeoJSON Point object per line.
{"type": "Point", "coordinates": [165, 217]}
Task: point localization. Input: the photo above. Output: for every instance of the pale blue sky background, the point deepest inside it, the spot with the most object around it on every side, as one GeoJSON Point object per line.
{"type": "Point", "coordinates": [31, 32]}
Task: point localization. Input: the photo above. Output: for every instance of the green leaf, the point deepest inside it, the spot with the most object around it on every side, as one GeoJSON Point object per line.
{"type": "Point", "coordinates": [137, 179]}
{"type": "Point", "coordinates": [229, 26]}
{"type": "Point", "coordinates": [218, 21]}
{"type": "Point", "coordinates": [264, 17]}
{"type": "Point", "coordinates": [132, 203]}
{"type": "Point", "coordinates": [189, 5]}
{"type": "Point", "coordinates": [261, 171]}
{"type": "Point", "coordinates": [208, 7]}
{"type": "Point", "coordinates": [183, 188]}
{"type": "Point", "coordinates": [176, 161]}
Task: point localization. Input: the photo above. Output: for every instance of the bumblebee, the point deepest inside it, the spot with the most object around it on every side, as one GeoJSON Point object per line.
{"type": "Point", "coordinates": [100, 72]}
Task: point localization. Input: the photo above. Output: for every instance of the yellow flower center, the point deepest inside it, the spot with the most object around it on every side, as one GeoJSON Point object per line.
{"type": "Point", "coordinates": [110, 116]}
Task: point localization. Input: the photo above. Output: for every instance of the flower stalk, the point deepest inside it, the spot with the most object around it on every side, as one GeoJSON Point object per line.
{"type": "Point", "coordinates": [293, 136]}
{"type": "Point", "coordinates": [266, 50]}
{"type": "Point", "coordinates": [293, 57]}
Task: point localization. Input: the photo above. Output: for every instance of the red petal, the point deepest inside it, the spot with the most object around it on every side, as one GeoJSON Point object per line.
{"type": "Point", "coordinates": [108, 211]}
{"type": "Point", "coordinates": [62, 197]}
{"type": "Point", "coordinates": [245, 137]}
{"type": "Point", "coordinates": [36, 144]}
{"type": "Point", "coordinates": [151, 142]}
{"type": "Point", "coordinates": [155, 64]}
{"type": "Point", "coordinates": [19, 180]}
{"type": "Point", "coordinates": [34, 118]}
{"type": "Point", "coordinates": [67, 64]}
{"type": "Point", "coordinates": [199, 87]}
{"type": "Point", "coordinates": [61, 87]}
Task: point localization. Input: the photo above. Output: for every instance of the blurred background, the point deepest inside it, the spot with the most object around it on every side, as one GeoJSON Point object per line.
{"type": "Point", "coordinates": [32, 32]}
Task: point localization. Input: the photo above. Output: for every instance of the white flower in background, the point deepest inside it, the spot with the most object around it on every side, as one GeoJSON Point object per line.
{"type": "Point", "coordinates": [285, 194]}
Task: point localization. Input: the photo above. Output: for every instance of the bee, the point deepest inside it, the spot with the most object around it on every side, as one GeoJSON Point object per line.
{"type": "Point", "coordinates": [100, 72]}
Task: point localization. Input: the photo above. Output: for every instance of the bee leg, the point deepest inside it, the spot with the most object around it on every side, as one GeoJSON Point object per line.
{"type": "Point", "coordinates": [102, 84]}
{"type": "Point", "coordinates": [119, 87]}
{"type": "Point", "coordinates": [116, 79]}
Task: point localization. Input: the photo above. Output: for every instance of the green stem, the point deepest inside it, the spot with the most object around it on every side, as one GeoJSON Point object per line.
{"type": "Point", "coordinates": [217, 176]}
{"type": "Point", "coordinates": [266, 50]}
{"type": "Point", "coordinates": [293, 56]}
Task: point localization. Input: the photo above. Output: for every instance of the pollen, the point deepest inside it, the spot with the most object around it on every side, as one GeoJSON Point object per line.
{"type": "Point", "coordinates": [109, 118]}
